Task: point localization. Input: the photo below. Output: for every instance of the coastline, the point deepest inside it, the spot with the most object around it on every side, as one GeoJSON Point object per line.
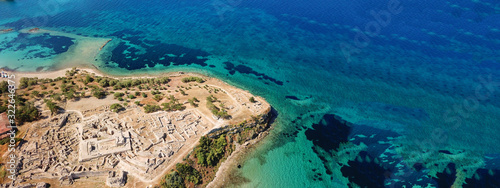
{"type": "Point", "coordinates": [225, 168]}
{"type": "Point", "coordinates": [52, 74]}
{"type": "Point", "coordinates": [231, 164]}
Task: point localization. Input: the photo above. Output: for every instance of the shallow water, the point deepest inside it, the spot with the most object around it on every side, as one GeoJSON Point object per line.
{"type": "Point", "coordinates": [418, 95]}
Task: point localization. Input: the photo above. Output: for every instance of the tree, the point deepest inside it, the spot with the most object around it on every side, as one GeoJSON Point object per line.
{"type": "Point", "coordinates": [27, 113]}
{"type": "Point", "coordinates": [173, 104]}
{"type": "Point", "coordinates": [188, 173]}
{"type": "Point", "coordinates": [57, 97]}
{"type": "Point", "coordinates": [52, 107]}
{"type": "Point", "coordinates": [158, 97]}
{"type": "Point", "coordinates": [104, 83]}
{"type": "Point", "coordinates": [70, 95]}
{"type": "Point", "coordinates": [191, 101]}
{"type": "Point", "coordinates": [118, 94]}
{"type": "Point", "coordinates": [252, 100]}
{"type": "Point", "coordinates": [151, 108]}
{"type": "Point", "coordinates": [98, 93]}
{"type": "Point", "coordinates": [35, 93]}
{"type": "Point", "coordinates": [4, 87]}
{"type": "Point", "coordinates": [192, 79]}
{"type": "Point", "coordinates": [113, 82]}
{"type": "Point", "coordinates": [64, 88]}
{"type": "Point", "coordinates": [173, 180]}
{"type": "Point", "coordinates": [116, 107]}
{"type": "Point", "coordinates": [183, 92]}
{"type": "Point", "coordinates": [26, 82]}
{"type": "Point", "coordinates": [88, 79]}
{"type": "Point", "coordinates": [209, 152]}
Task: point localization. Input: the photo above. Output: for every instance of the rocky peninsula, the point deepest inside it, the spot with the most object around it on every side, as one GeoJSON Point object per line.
{"type": "Point", "coordinates": [81, 128]}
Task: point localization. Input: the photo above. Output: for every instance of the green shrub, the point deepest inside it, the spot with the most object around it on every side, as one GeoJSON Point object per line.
{"type": "Point", "coordinates": [252, 100]}
{"type": "Point", "coordinates": [6, 140]}
{"type": "Point", "coordinates": [158, 97]}
{"type": "Point", "coordinates": [192, 79]}
{"type": "Point", "coordinates": [219, 112]}
{"type": "Point", "coordinates": [209, 152]}
{"type": "Point", "coordinates": [187, 172]}
{"type": "Point", "coordinates": [27, 113]}
{"type": "Point", "coordinates": [88, 79]}
{"type": "Point", "coordinates": [118, 94]}
{"type": "Point", "coordinates": [104, 83]}
{"type": "Point", "coordinates": [57, 97]}
{"type": "Point", "coordinates": [116, 107]}
{"type": "Point", "coordinates": [35, 93]}
{"type": "Point", "coordinates": [69, 95]}
{"type": "Point", "coordinates": [151, 108]}
{"type": "Point", "coordinates": [52, 107]}
{"type": "Point", "coordinates": [98, 93]}
{"type": "Point", "coordinates": [191, 101]}
{"type": "Point", "coordinates": [173, 180]}
{"type": "Point", "coordinates": [27, 82]}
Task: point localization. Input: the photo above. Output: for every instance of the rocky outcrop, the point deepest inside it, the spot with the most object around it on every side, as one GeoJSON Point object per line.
{"type": "Point", "coordinates": [6, 30]}
{"type": "Point", "coordinates": [34, 29]}
{"type": "Point", "coordinates": [259, 124]}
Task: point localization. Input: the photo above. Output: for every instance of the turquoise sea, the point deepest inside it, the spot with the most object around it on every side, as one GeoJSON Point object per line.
{"type": "Point", "coordinates": [382, 93]}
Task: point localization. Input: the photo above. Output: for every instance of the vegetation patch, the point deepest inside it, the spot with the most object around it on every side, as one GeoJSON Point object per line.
{"type": "Point", "coordinates": [193, 79]}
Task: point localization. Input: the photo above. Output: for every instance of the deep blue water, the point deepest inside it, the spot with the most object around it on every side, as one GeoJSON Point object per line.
{"type": "Point", "coordinates": [380, 93]}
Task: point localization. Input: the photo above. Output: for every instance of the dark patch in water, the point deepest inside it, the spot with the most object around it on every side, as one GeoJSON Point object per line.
{"type": "Point", "coordinates": [364, 173]}
{"type": "Point", "coordinates": [133, 57]}
{"type": "Point", "coordinates": [243, 69]}
{"type": "Point", "coordinates": [445, 152]}
{"type": "Point", "coordinates": [329, 132]}
{"type": "Point", "coordinates": [211, 66]}
{"type": "Point", "coordinates": [418, 166]}
{"type": "Point", "coordinates": [23, 41]}
{"type": "Point", "coordinates": [327, 136]}
{"type": "Point", "coordinates": [332, 130]}
{"type": "Point", "coordinates": [292, 97]}
{"type": "Point", "coordinates": [445, 179]}
{"type": "Point", "coordinates": [483, 178]}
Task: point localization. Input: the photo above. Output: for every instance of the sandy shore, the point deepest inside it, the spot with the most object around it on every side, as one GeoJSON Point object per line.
{"type": "Point", "coordinates": [51, 74]}
{"type": "Point", "coordinates": [62, 73]}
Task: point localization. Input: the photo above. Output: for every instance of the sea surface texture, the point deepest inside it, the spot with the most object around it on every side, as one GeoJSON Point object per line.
{"type": "Point", "coordinates": [381, 93]}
